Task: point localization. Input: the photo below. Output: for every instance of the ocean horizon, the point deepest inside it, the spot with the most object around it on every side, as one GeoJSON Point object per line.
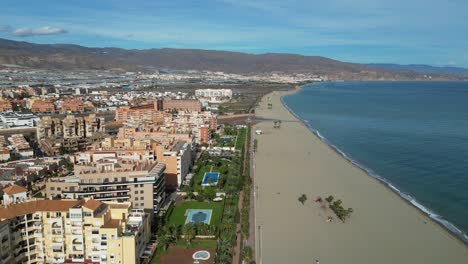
{"type": "Point", "coordinates": [412, 136]}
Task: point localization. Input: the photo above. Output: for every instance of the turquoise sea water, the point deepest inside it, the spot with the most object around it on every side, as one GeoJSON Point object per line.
{"type": "Point", "coordinates": [412, 135]}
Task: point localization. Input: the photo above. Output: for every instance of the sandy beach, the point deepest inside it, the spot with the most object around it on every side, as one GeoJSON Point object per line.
{"type": "Point", "coordinates": [291, 161]}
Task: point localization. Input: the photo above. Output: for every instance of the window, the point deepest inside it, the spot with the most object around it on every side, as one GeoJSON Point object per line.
{"type": "Point", "coordinates": [134, 179]}
{"type": "Point", "coordinates": [52, 188]}
{"type": "Point", "coordinates": [136, 192]}
{"type": "Point", "coordinates": [124, 179]}
{"type": "Point", "coordinates": [141, 185]}
{"type": "Point", "coordinates": [59, 189]}
{"type": "Point", "coordinates": [141, 191]}
{"type": "Point", "coordinates": [136, 198]}
{"type": "Point", "coordinates": [116, 179]}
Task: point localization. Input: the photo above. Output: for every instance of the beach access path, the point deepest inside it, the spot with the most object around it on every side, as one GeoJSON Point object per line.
{"type": "Point", "coordinates": [291, 161]}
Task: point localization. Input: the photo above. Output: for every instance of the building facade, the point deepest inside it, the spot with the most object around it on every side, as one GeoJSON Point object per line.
{"type": "Point", "coordinates": [113, 180]}
{"type": "Point", "coordinates": [182, 105]}
{"type": "Point", "coordinates": [73, 231]}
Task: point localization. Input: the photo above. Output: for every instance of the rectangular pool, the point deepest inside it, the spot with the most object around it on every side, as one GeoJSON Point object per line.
{"type": "Point", "coordinates": [210, 179]}
{"type": "Point", "coordinates": [198, 216]}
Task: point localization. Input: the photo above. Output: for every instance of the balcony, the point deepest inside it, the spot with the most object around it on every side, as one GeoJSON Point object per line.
{"type": "Point", "coordinates": [57, 232]}
{"type": "Point", "coordinates": [78, 248]}
{"type": "Point", "coordinates": [56, 225]}
{"type": "Point", "coordinates": [58, 260]}
{"type": "Point", "coordinates": [77, 241]}
{"type": "Point", "coordinates": [57, 240]}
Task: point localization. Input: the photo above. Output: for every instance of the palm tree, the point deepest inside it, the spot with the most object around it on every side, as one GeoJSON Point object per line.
{"type": "Point", "coordinates": [188, 231]}
{"type": "Point", "coordinates": [247, 254]}
{"type": "Point", "coordinates": [302, 198]}
{"type": "Point", "coordinates": [329, 199]}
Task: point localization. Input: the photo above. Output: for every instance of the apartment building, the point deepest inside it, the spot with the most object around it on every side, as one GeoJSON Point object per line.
{"type": "Point", "coordinates": [17, 119]}
{"type": "Point", "coordinates": [204, 134]}
{"type": "Point", "coordinates": [182, 105]}
{"type": "Point", "coordinates": [72, 231]}
{"type": "Point", "coordinates": [72, 105]}
{"type": "Point", "coordinates": [69, 127]}
{"type": "Point", "coordinates": [21, 146]}
{"type": "Point", "coordinates": [128, 148]}
{"type": "Point", "coordinates": [14, 194]}
{"type": "Point", "coordinates": [140, 113]}
{"type": "Point", "coordinates": [116, 180]}
{"type": "Point", "coordinates": [42, 106]}
{"type": "Point", "coordinates": [213, 93]}
{"type": "Point", "coordinates": [70, 132]}
{"type": "Point", "coordinates": [178, 158]}
{"type": "Point", "coordinates": [5, 105]}
{"type": "Point", "coordinates": [158, 134]}
{"type": "Point", "coordinates": [4, 150]}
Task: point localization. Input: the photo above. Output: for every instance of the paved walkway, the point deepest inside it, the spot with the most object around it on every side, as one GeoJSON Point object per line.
{"type": "Point", "coordinates": [237, 249]}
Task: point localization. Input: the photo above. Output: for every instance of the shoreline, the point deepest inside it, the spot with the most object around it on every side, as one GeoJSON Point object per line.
{"type": "Point", "coordinates": [383, 229]}
{"type": "Point", "coordinates": [457, 233]}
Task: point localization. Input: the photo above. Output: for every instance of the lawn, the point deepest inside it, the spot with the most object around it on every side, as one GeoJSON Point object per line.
{"type": "Point", "coordinates": [197, 179]}
{"type": "Point", "coordinates": [240, 141]}
{"type": "Point", "coordinates": [178, 217]}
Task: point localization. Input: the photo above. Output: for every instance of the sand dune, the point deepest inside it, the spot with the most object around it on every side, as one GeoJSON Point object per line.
{"type": "Point", "coordinates": [384, 228]}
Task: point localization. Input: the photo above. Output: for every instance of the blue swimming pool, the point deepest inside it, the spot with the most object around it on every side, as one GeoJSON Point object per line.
{"type": "Point", "coordinates": [198, 216]}
{"type": "Point", "coordinates": [210, 179]}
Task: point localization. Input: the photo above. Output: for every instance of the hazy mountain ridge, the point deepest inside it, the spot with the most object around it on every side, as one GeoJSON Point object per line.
{"type": "Point", "coordinates": [424, 69]}
{"type": "Point", "coordinates": [75, 57]}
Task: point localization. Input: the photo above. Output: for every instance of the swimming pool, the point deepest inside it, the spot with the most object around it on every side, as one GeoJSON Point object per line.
{"type": "Point", "coordinates": [198, 216]}
{"type": "Point", "coordinates": [210, 177]}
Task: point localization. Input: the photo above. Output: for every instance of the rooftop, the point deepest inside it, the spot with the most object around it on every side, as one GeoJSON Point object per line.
{"type": "Point", "coordinates": [30, 207]}
{"type": "Point", "coordinates": [14, 189]}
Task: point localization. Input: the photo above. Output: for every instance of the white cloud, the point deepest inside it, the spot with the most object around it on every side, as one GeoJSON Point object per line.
{"type": "Point", "coordinates": [24, 32]}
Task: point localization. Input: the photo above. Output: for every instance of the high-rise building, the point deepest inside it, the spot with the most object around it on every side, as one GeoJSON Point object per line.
{"type": "Point", "coordinates": [73, 231]}
{"type": "Point", "coordinates": [116, 180]}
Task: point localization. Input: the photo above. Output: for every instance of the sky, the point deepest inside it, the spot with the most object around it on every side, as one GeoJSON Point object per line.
{"type": "Point", "coordinates": [433, 32]}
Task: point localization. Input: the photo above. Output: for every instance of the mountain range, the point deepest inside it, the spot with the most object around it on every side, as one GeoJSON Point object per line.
{"type": "Point", "coordinates": [75, 57]}
{"type": "Point", "coordinates": [424, 69]}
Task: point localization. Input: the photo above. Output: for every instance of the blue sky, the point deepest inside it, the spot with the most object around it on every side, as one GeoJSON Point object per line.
{"type": "Point", "coordinates": [399, 31]}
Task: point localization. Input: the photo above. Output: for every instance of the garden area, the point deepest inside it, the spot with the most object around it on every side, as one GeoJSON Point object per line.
{"type": "Point", "coordinates": [177, 215]}
{"type": "Point", "coordinates": [195, 215]}
{"type": "Point", "coordinates": [179, 252]}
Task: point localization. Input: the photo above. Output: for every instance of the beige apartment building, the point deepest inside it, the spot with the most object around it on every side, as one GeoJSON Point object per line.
{"type": "Point", "coordinates": [70, 132]}
{"type": "Point", "coordinates": [177, 156]}
{"type": "Point", "coordinates": [114, 180]}
{"type": "Point", "coordinates": [128, 148]}
{"type": "Point", "coordinates": [73, 231]}
{"type": "Point", "coordinates": [182, 105]}
{"type": "Point", "coordinates": [69, 127]}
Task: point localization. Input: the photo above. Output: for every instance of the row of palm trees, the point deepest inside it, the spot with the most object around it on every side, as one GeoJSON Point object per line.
{"type": "Point", "coordinates": [227, 233]}
{"type": "Point", "coordinates": [170, 234]}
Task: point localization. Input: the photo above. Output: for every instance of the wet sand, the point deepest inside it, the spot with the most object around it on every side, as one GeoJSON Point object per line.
{"type": "Point", "coordinates": [383, 229]}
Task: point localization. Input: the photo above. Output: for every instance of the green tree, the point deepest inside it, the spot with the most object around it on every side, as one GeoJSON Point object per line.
{"type": "Point", "coordinates": [210, 193]}
{"type": "Point", "coordinates": [188, 231]}
{"type": "Point", "coordinates": [247, 254]}
{"type": "Point", "coordinates": [329, 199]}
{"type": "Point", "coordinates": [302, 198]}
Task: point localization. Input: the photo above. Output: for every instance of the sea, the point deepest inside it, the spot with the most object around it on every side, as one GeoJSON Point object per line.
{"type": "Point", "coordinates": [413, 136]}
